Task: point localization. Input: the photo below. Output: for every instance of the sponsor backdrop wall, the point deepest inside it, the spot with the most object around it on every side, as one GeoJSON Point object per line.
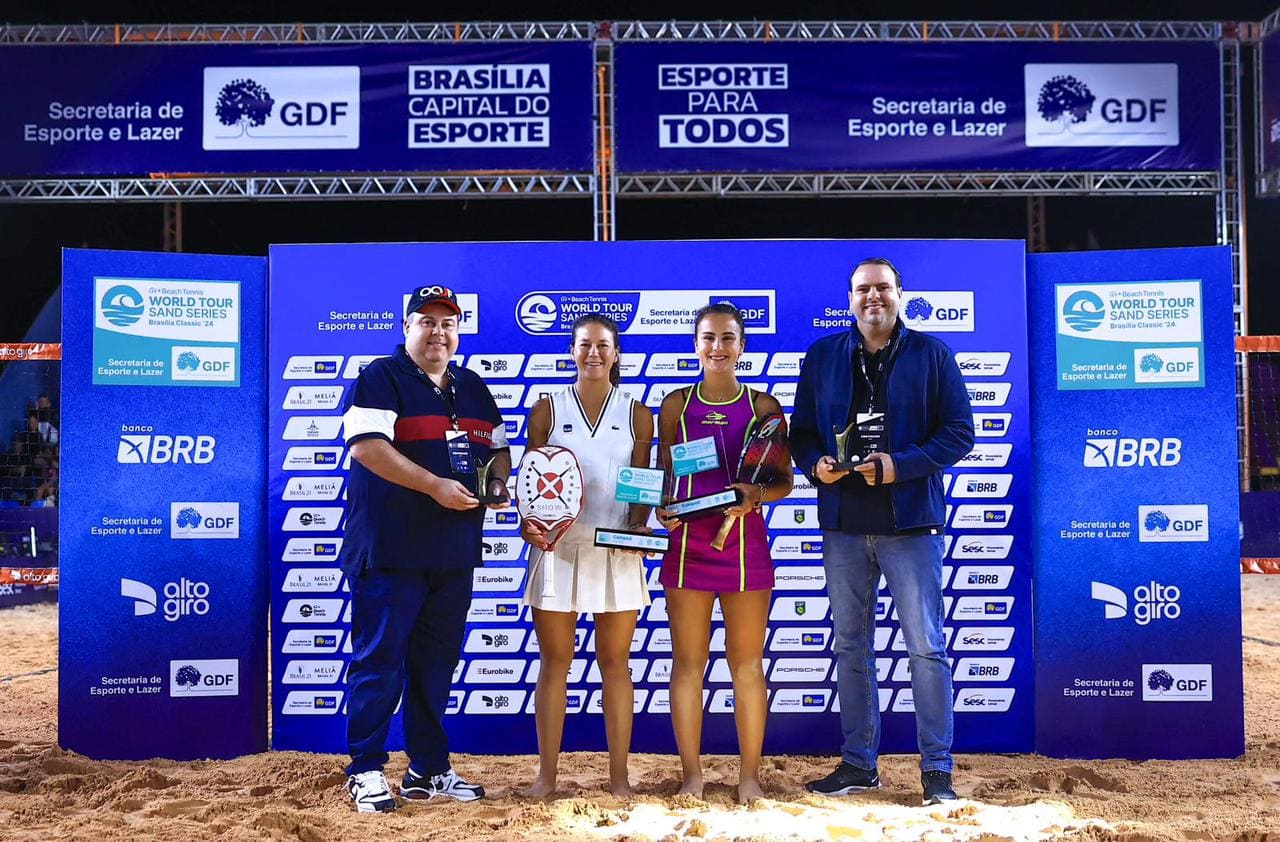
{"type": "Point", "coordinates": [334, 308]}
{"type": "Point", "coordinates": [164, 591]}
{"type": "Point", "coordinates": [1269, 55]}
{"type": "Point", "coordinates": [349, 108]}
{"type": "Point", "coordinates": [1137, 509]}
{"type": "Point", "coordinates": [794, 107]}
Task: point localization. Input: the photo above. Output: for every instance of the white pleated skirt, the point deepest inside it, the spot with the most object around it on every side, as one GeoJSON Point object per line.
{"type": "Point", "coordinates": [588, 580]}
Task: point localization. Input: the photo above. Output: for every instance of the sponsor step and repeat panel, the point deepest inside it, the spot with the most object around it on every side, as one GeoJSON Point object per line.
{"type": "Point", "coordinates": [335, 308]}
{"type": "Point", "coordinates": [350, 108]}
{"type": "Point", "coordinates": [163, 588]}
{"type": "Point", "coordinates": [1137, 528]}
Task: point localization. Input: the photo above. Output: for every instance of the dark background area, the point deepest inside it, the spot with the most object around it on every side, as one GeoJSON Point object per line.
{"type": "Point", "coordinates": [32, 235]}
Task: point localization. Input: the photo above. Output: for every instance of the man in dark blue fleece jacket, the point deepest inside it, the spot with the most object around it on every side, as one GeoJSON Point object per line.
{"type": "Point", "coordinates": [902, 399]}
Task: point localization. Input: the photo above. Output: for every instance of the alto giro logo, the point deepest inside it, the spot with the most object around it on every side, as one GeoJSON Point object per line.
{"type": "Point", "coordinates": [536, 313]}
{"type": "Point", "coordinates": [1084, 311]}
{"type": "Point", "coordinates": [1151, 601]}
{"type": "Point", "coordinates": [183, 598]}
{"type": "Point", "coordinates": [122, 305]}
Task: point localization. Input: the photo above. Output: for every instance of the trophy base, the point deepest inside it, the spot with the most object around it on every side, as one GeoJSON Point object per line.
{"type": "Point", "coordinates": [849, 464]}
{"type": "Point", "coordinates": [490, 499]}
{"type": "Point", "coordinates": [621, 539]}
{"type": "Point", "coordinates": [704, 506]}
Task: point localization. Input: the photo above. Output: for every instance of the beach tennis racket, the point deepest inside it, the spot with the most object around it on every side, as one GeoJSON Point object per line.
{"type": "Point", "coordinates": [762, 456]}
{"type": "Point", "coordinates": [549, 495]}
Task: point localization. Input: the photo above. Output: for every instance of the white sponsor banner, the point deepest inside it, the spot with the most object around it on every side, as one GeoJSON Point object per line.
{"type": "Point", "coordinates": [988, 394]}
{"type": "Point", "coordinates": [311, 642]}
{"type": "Point", "coordinates": [983, 363]}
{"type": "Point", "coordinates": [986, 577]}
{"type": "Point", "coordinates": [970, 608]}
{"type": "Point", "coordinates": [986, 455]}
{"type": "Point", "coordinates": [312, 702]}
{"type": "Point", "coordinates": [313, 397]}
{"type": "Point", "coordinates": [311, 580]}
{"type": "Point", "coordinates": [154, 308]}
{"type": "Point", "coordinates": [988, 516]}
{"type": "Point", "coordinates": [982, 547]}
{"type": "Point", "coordinates": [313, 672]}
{"type": "Point", "coordinates": [1173, 524]}
{"type": "Point", "coordinates": [946, 311]}
{"type": "Point", "coordinates": [312, 458]}
{"type": "Point", "coordinates": [982, 485]}
{"type": "Point", "coordinates": [984, 699]}
{"type": "Point", "coordinates": [312, 488]}
{"type": "Point", "coordinates": [302, 367]}
{"type": "Point", "coordinates": [984, 669]}
{"type": "Point", "coordinates": [312, 519]}
{"type": "Point", "coordinates": [312, 549]}
{"type": "Point", "coordinates": [1177, 682]}
{"type": "Point", "coordinates": [204, 677]}
{"type": "Point", "coordinates": [257, 108]}
{"type": "Point", "coordinates": [983, 638]}
{"type": "Point", "coordinates": [312, 611]}
{"type": "Point", "coordinates": [797, 700]}
{"type": "Point", "coordinates": [1113, 104]}
{"type": "Point", "coordinates": [313, 428]}
{"type": "Point", "coordinates": [496, 366]}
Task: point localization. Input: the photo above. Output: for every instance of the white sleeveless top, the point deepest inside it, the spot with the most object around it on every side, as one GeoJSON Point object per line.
{"type": "Point", "coordinates": [601, 450]}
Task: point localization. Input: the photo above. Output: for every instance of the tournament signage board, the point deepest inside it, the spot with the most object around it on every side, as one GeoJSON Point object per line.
{"type": "Point", "coordinates": [325, 326]}
{"type": "Point", "coordinates": [431, 107]}
{"type": "Point", "coordinates": [1136, 532]}
{"type": "Point", "coordinates": [786, 106]}
{"type": "Point", "coordinates": [163, 588]}
{"type": "Point", "coordinates": [1269, 111]}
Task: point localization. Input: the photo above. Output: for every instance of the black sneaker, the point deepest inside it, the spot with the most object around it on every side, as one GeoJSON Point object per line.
{"type": "Point", "coordinates": [370, 793]}
{"type": "Point", "coordinates": [845, 779]}
{"type": "Point", "coordinates": [448, 784]}
{"type": "Point", "coordinates": [937, 787]}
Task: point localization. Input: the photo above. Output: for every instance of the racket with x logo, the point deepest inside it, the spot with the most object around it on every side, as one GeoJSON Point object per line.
{"type": "Point", "coordinates": [549, 495]}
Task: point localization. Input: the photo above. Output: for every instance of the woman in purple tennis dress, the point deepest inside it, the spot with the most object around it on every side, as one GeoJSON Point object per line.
{"type": "Point", "coordinates": [694, 574]}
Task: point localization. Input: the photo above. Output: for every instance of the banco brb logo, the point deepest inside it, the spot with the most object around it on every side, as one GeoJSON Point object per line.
{"type": "Point", "coordinates": [122, 305]}
{"type": "Point", "coordinates": [1083, 311]}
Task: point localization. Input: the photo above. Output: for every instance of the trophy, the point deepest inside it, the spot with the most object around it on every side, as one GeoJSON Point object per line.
{"type": "Point", "coordinates": [484, 475]}
{"type": "Point", "coordinates": [692, 457]}
{"type": "Point", "coordinates": [843, 462]}
{"type": "Point", "coordinates": [640, 486]}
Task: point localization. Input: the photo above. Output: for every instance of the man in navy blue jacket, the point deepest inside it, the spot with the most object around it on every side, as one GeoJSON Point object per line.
{"type": "Point", "coordinates": [902, 399]}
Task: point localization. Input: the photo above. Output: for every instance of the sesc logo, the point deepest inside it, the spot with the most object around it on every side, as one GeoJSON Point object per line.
{"type": "Point", "coordinates": [983, 363]}
{"type": "Point", "coordinates": [140, 446]}
{"type": "Point", "coordinates": [1177, 682]}
{"type": "Point", "coordinates": [191, 678]}
{"type": "Point", "coordinates": [1173, 524]}
{"type": "Point", "coordinates": [1119, 104]}
{"type": "Point", "coordinates": [121, 305]}
{"type": "Point", "coordinates": [255, 108]}
{"type": "Point", "coordinates": [984, 699]}
{"type": "Point", "coordinates": [939, 312]}
{"type": "Point", "coordinates": [1166, 365]}
{"type": "Point", "coordinates": [204, 520]}
{"type": "Point", "coordinates": [1129, 453]}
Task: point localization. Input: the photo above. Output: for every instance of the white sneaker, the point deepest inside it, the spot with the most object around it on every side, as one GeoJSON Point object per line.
{"type": "Point", "coordinates": [448, 785]}
{"type": "Point", "coordinates": [370, 793]}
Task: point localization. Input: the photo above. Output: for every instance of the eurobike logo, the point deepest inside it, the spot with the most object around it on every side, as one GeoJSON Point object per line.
{"type": "Point", "coordinates": [214, 677]}
{"type": "Point", "coordinates": [1114, 104]}
{"type": "Point", "coordinates": [1173, 524]}
{"type": "Point", "coordinates": [140, 445]}
{"type": "Point", "coordinates": [183, 598]}
{"type": "Point", "coordinates": [1151, 601]}
{"type": "Point", "coordinates": [1107, 449]}
{"type": "Point", "coordinates": [261, 108]}
{"type": "Point", "coordinates": [204, 520]}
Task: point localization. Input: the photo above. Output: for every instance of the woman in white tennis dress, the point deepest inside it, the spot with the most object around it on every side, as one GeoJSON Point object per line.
{"type": "Point", "coordinates": [606, 430]}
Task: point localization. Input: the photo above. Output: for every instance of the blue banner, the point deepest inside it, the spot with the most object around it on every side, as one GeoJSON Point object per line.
{"type": "Point", "coordinates": [949, 106]}
{"type": "Point", "coordinates": [348, 108]}
{"type": "Point", "coordinates": [1269, 95]}
{"type": "Point", "coordinates": [1137, 541]}
{"type": "Point", "coordinates": [163, 588]}
{"type": "Point", "coordinates": [325, 328]}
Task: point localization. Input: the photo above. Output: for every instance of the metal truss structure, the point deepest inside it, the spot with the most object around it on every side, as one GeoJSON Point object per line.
{"type": "Point", "coordinates": [605, 185]}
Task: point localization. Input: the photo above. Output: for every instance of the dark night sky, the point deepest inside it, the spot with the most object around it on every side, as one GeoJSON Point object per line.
{"type": "Point", "coordinates": [31, 235]}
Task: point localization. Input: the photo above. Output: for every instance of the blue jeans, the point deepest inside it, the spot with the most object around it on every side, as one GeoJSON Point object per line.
{"type": "Point", "coordinates": [912, 566]}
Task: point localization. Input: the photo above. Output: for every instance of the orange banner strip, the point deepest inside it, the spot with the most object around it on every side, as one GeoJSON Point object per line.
{"type": "Point", "coordinates": [1258, 343]}
{"type": "Point", "coordinates": [30, 351]}
{"type": "Point", "coordinates": [1260, 565]}
{"type": "Point", "coordinates": [28, 576]}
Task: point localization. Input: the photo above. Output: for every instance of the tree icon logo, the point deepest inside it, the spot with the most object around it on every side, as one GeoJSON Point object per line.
{"type": "Point", "coordinates": [1065, 100]}
{"type": "Point", "coordinates": [918, 309]}
{"type": "Point", "coordinates": [1156, 521]}
{"type": "Point", "coordinates": [1160, 681]}
{"type": "Point", "coordinates": [1151, 363]}
{"type": "Point", "coordinates": [188, 676]}
{"type": "Point", "coordinates": [188, 518]}
{"type": "Point", "coordinates": [188, 360]}
{"type": "Point", "coordinates": [243, 103]}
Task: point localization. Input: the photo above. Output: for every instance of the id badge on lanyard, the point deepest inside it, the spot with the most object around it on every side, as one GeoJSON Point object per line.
{"type": "Point", "coordinates": [460, 461]}
{"type": "Point", "coordinates": [871, 436]}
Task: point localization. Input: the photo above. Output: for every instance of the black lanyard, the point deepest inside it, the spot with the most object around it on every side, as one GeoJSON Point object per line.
{"type": "Point", "coordinates": [447, 395]}
{"type": "Point", "coordinates": [872, 378]}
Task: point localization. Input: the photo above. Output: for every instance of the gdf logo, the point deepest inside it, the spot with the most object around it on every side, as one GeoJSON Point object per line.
{"type": "Point", "coordinates": [281, 108]}
{"type": "Point", "coordinates": [138, 446]}
{"type": "Point", "coordinates": [1184, 523]}
{"type": "Point", "coordinates": [214, 677]}
{"type": "Point", "coordinates": [1116, 452]}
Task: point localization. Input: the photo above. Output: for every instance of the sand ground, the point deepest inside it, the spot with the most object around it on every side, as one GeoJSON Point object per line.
{"type": "Point", "coordinates": [47, 793]}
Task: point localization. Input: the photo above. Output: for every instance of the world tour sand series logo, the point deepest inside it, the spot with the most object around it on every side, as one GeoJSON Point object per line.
{"type": "Point", "coordinates": [122, 305]}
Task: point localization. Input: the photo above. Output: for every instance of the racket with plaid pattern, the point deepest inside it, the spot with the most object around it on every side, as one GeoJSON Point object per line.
{"type": "Point", "coordinates": [762, 456]}
{"type": "Point", "coordinates": [549, 495]}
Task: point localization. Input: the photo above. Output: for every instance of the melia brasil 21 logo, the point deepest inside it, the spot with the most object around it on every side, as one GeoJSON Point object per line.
{"type": "Point", "coordinates": [264, 108]}
{"type": "Point", "coordinates": [1120, 104]}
